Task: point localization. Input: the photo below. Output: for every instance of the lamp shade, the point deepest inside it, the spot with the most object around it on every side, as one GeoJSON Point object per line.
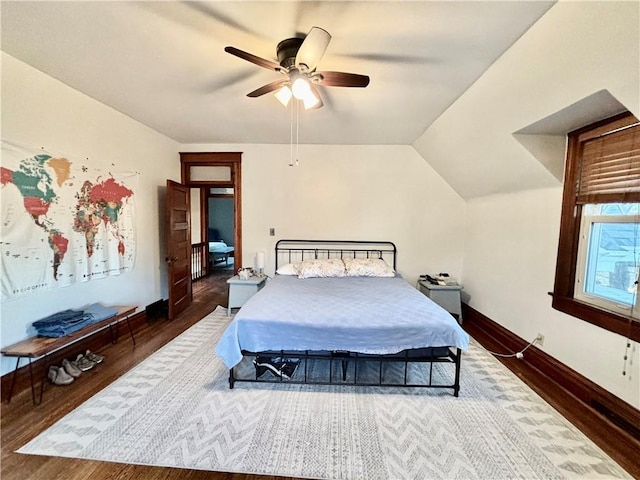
{"type": "Point", "coordinates": [310, 100]}
{"type": "Point", "coordinates": [260, 260]}
{"type": "Point", "coordinates": [284, 95]}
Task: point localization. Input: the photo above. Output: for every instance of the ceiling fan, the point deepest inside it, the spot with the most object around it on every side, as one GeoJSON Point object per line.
{"type": "Point", "coordinates": [298, 58]}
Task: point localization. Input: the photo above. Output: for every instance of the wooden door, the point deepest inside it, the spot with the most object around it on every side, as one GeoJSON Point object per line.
{"type": "Point", "coordinates": [178, 247]}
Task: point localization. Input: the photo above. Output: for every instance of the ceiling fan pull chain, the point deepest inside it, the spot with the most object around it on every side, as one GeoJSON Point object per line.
{"type": "Point", "coordinates": [291, 134]}
{"type": "Point", "coordinates": [297, 102]}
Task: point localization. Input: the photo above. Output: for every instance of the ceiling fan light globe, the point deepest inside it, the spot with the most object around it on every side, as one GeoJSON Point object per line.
{"type": "Point", "coordinates": [284, 95]}
{"type": "Point", "coordinates": [310, 100]}
{"type": "Point", "coordinates": [300, 88]}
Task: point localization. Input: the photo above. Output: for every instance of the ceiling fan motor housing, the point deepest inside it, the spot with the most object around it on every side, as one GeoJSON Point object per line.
{"type": "Point", "coordinates": [287, 51]}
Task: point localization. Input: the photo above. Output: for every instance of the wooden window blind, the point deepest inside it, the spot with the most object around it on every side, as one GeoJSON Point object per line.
{"type": "Point", "coordinates": [609, 167]}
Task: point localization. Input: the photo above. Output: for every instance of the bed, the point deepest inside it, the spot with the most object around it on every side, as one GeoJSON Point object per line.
{"type": "Point", "coordinates": [219, 251]}
{"type": "Point", "coordinates": [365, 325]}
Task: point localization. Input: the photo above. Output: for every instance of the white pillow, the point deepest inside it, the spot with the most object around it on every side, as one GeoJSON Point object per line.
{"type": "Point", "coordinates": [328, 267]}
{"type": "Point", "coordinates": [367, 267]}
{"type": "Point", "coordinates": [288, 269]}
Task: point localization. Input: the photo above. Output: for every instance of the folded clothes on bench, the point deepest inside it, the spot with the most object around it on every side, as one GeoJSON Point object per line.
{"type": "Point", "coordinates": [63, 329]}
{"type": "Point", "coordinates": [100, 312]}
{"type": "Point", "coordinates": [58, 317]}
{"type": "Point", "coordinates": [69, 321]}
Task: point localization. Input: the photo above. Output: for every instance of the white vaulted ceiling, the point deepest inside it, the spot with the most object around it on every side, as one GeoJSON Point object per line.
{"type": "Point", "coordinates": [164, 65]}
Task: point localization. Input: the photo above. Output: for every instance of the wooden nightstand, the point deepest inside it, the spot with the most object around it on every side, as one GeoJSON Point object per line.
{"type": "Point", "coordinates": [447, 296]}
{"type": "Point", "coordinates": [242, 290]}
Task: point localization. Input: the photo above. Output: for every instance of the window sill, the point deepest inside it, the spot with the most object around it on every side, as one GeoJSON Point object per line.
{"type": "Point", "coordinates": [628, 328]}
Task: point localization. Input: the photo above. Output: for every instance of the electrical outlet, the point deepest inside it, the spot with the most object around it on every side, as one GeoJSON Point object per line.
{"type": "Point", "coordinates": [272, 232]}
{"type": "Point", "coordinates": [540, 339]}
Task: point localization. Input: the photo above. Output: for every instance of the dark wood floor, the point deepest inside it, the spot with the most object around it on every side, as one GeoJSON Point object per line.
{"type": "Point", "coordinates": [21, 421]}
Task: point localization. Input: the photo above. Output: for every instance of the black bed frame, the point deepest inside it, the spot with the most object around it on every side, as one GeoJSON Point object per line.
{"type": "Point", "coordinates": [290, 251]}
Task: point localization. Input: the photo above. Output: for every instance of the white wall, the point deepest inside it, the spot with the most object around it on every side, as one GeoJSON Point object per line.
{"type": "Point", "coordinates": [38, 110]}
{"type": "Point", "coordinates": [509, 268]}
{"type": "Point", "coordinates": [352, 192]}
{"type": "Point", "coordinates": [196, 228]}
{"type": "Point", "coordinates": [511, 239]}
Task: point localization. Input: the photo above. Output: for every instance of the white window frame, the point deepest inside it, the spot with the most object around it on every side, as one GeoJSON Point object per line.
{"type": "Point", "coordinates": [586, 224]}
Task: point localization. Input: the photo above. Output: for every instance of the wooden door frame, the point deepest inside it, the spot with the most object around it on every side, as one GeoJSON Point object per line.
{"type": "Point", "coordinates": [233, 160]}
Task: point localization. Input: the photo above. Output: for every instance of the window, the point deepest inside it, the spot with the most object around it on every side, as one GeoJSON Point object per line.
{"type": "Point", "coordinates": [608, 257]}
{"type": "Point", "coordinates": [210, 173]}
{"type": "Point", "coordinates": [599, 248]}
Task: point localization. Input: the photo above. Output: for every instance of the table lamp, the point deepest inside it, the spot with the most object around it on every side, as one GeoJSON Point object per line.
{"type": "Point", "coordinates": [260, 263]}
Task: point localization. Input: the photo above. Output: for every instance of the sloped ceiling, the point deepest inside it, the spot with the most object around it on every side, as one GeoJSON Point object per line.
{"type": "Point", "coordinates": [506, 133]}
{"type": "Point", "coordinates": [546, 139]}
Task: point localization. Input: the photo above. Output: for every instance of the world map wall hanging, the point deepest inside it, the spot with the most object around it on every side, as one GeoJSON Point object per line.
{"type": "Point", "coordinates": [64, 221]}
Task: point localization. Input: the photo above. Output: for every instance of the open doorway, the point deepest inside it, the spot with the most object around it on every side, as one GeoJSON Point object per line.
{"type": "Point", "coordinates": [216, 227]}
{"type": "Point", "coordinates": [220, 229]}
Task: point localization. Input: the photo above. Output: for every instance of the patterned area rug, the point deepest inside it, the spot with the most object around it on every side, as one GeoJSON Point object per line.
{"type": "Point", "coordinates": [175, 409]}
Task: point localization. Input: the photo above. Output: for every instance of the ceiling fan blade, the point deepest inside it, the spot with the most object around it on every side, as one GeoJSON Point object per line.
{"type": "Point", "coordinates": [342, 79]}
{"type": "Point", "coordinates": [268, 88]}
{"type": "Point", "coordinates": [252, 58]}
{"type": "Point", "coordinates": [391, 58]}
{"type": "Point", "coordinates": [211, 11]}
{"type": "Point", "coordinates": [313, 48]}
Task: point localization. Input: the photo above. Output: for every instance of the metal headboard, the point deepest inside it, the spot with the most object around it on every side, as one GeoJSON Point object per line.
{"type": "Point", "coordinates": [291, 251]}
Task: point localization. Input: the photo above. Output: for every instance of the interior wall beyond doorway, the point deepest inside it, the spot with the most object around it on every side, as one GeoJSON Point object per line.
{"type": "Point", "coordinates": [220, 222]}
{"type": "Point", "coordinates": [195, 207]}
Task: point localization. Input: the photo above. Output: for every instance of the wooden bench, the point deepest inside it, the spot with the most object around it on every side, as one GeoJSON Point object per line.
{"type": "Point", "coordinates": [36, 347]}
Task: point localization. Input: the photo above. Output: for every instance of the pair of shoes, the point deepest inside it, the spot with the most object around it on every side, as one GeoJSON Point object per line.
{"type": "Point", "coordinates": [94, 357]}
{"type": "Point", "coordinates": [289, 368]}
{"type": "Point", "coordinates": [58, 376]}
{"type": "Point", "coordinates": [281, 369]}
{"type": "Point", "coordinates": [71, 369]}
{"type": "Point", "coordinates": [83, 363]}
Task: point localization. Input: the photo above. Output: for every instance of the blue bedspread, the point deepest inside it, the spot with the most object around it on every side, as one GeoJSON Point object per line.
{"type": "Point", "coordinates": [358, 314]}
